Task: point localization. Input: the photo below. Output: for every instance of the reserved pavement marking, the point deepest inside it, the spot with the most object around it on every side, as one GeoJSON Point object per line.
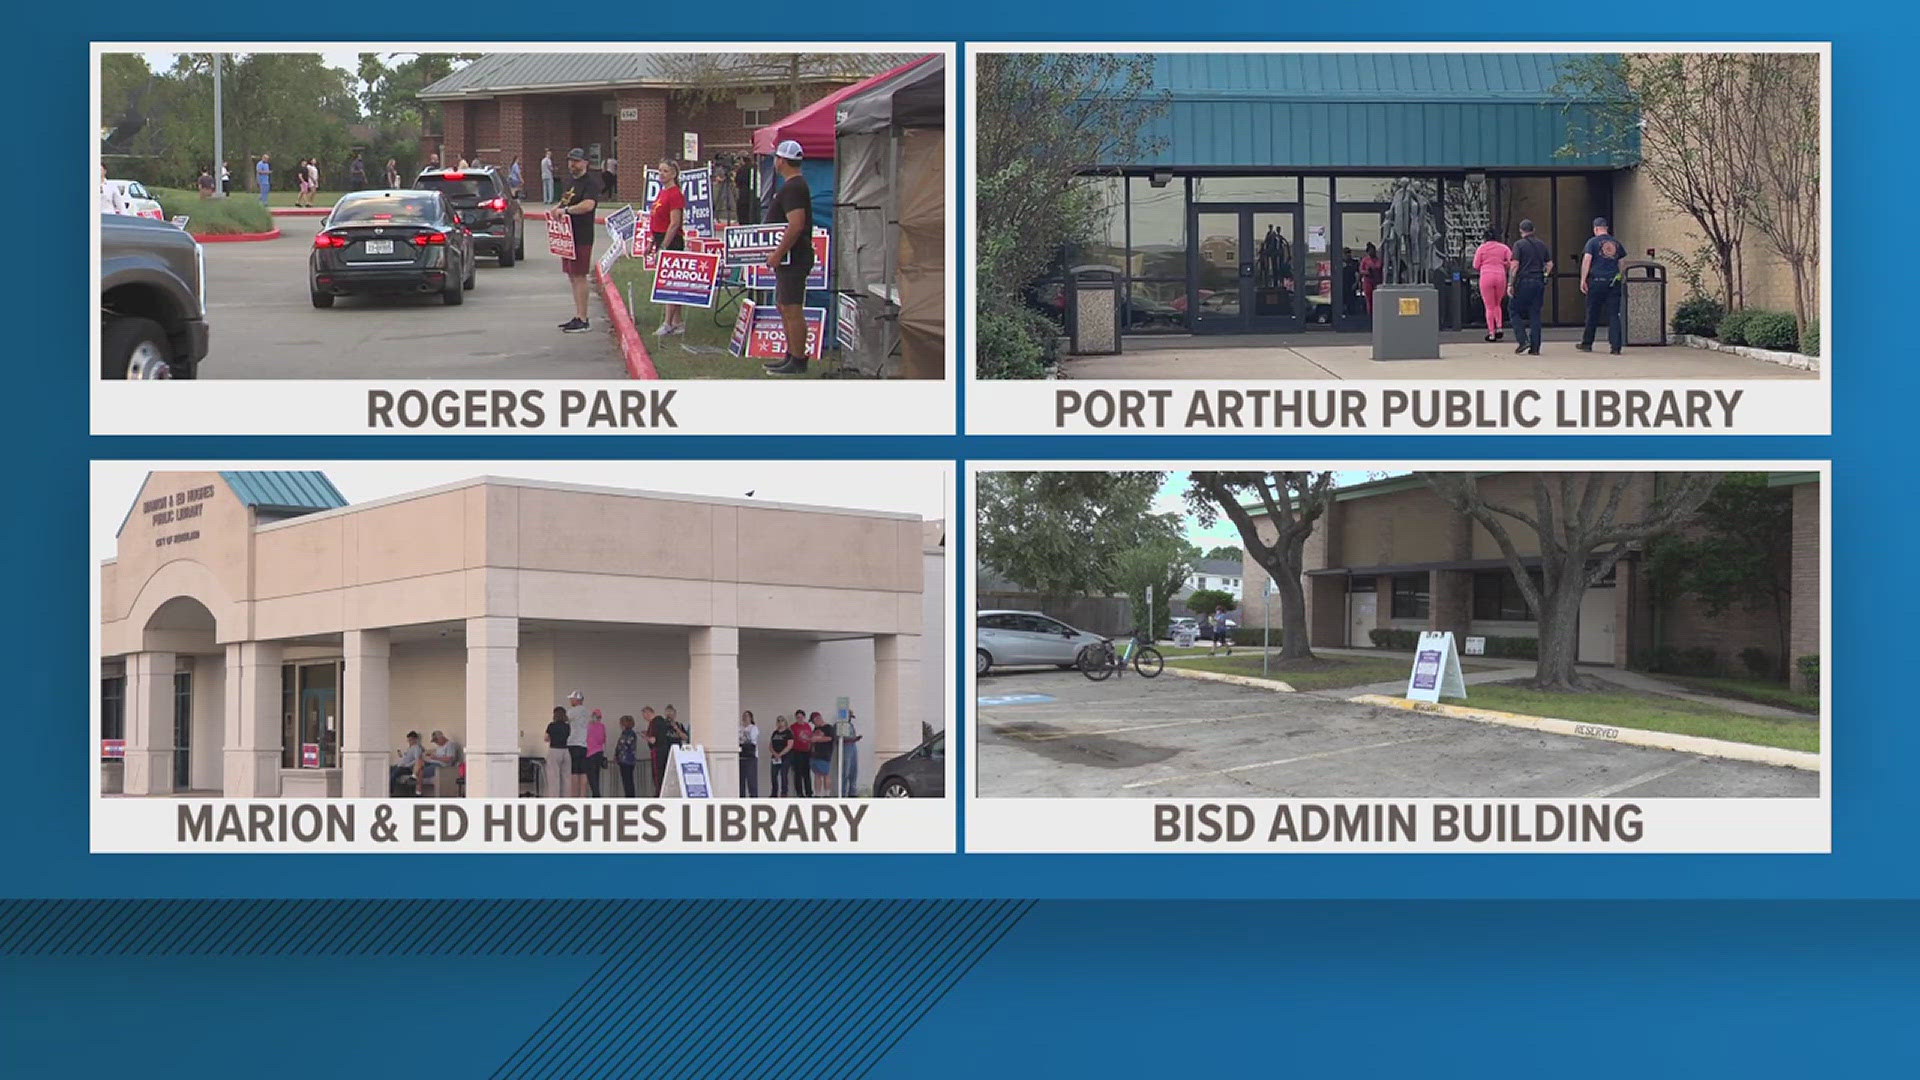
{"type": "Point", "coordinates": [1644, 778]}
{"type": "Point", "coordinates": [1287, 761]}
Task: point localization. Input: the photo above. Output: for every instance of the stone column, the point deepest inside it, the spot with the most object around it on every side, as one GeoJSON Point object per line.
{"type": "Point", "coordinates": [895, 728]}
{"type": "Point", "coordinates": [149, 732]}
{"type": "Point", "coordinates": [493, 705]}
{"type": "Point", "coordinates": [250, 763]}
{"type": "Point", "coordinates": [713, 701]}
{"type": "Point", "coordinates": [364, 735]}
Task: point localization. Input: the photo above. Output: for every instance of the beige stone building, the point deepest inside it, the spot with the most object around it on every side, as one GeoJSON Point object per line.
{"type": "Point", "coordinates": [1390, 555]}
{"type": "Point", "coordinates": [261, 637]}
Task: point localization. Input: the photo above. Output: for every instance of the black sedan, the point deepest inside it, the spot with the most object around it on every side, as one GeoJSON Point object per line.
{"type": "Point", "coordinates": [919, 773]}
{"type": "Point", "coordinates": [391, 242]}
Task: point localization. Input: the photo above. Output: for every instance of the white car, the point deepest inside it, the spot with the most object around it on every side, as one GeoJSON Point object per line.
{"type": "Point", "coordinates": [138, 201]}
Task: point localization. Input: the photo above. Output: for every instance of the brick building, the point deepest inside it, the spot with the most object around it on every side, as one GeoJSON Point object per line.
{"type": "Point", "coordinates": [1390, 554]}
{"type": "Point", "coordinates": [634, 107]}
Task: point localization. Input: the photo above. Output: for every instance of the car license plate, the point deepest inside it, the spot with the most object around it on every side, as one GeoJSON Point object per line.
{"type": "Point", "coordinates": [379, 247]}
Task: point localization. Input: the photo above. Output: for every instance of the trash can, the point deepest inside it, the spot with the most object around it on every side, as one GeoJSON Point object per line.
{"type": "Point", "coordinates": [1093, 311]}
{"type": "Point", "coordinates": [1643, 302]}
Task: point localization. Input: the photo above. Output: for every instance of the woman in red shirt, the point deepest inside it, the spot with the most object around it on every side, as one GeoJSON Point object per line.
{"type": "Point", "coordinates": [667, 222]}
{"type": "Point", "coordinates": [801, 756]}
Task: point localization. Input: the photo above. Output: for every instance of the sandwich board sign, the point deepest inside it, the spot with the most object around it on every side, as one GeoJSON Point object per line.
{"type": "Point", "coordinates": [687, 771]}
{"type": "Point", "coordinates": [1476, 646]}
{"type": "Point", "coordinates": [1436, 669]}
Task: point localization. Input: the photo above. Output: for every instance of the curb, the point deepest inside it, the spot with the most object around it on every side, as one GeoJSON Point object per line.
{"type": "Point", "coordinates": [632, 348]}
{"type": "Point", "coordinates": [1800, 361]}
{"type": "Point", "coordinates": [1237, 680]}
{"type": "Point", "coordinates": [235, 238]}
{"type": "Point", "coordinates": [1657, 740]}
{"type": "Point", "coordinates": [300, 211]}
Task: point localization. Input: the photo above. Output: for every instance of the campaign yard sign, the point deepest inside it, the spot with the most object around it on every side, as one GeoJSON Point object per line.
{"type": "Point", "coordinates": [309, 755]}
{"type": "Point", "coordinates": [685, 277]}
{"type": "Point", "coordinates": [113, 748]}
{"type": "Point", "coordinates": [748, 246]}
{"type": "Point", "coordinates": [1436, 669]}
{"type": "Point", "coordinates": [847, 319]}
{"type": "Point", "coordinates": [697, 186]}
{"type": "Point", "coordinates": [620, 226]}
{"type": "Point", "coordinates": [758, 331]}
{"type": "Point", "coordinates": [559, 233]}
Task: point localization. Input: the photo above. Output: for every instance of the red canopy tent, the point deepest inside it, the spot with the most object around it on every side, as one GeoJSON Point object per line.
{"type": "Point", "coordinates": [813, 126]}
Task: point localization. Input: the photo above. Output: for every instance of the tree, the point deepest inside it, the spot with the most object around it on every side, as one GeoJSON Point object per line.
{"type": "Point", "coordinates": [712, 77]}
{"type": "Point", "coordinates": [1294, 502]}
{"type": "Point", "coordinates": [1042, 122]}
{"type": "Point", "coordinates": [1584, 523]}
{"type": "Point", "coordinates": [1738, 557]}
{"type": "Point", "coordinates": [1685, 119]}
{"type": "Point", "coordinates": [1225, 552]}
{"type": "Point", "coordinates": [1784, 125]}
{"type": "Point", "coordinates": [1161, 565]}
{"type": "Point", "coordinates": [1060, 533]}
{"type": "Point", "coordinates": [1208, 601]}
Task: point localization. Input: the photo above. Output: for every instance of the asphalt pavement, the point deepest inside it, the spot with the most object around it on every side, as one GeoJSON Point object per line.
{"type": "Point", "coordinates": [265, 326]}
{"type": "Point", "coordinates": [1053, 733]}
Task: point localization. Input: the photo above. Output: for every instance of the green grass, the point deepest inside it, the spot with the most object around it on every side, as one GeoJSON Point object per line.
{"type": "Point", "coordinates": [1326, 672]}
{"type": "Point", "coordinates": [1758, 691]}
{"type": "Point", "coordinates": [1646, 712]}
{"type": "Point", "coordinates": [702, 352]}
{"type": "Point", "coordinates": [214, 217]}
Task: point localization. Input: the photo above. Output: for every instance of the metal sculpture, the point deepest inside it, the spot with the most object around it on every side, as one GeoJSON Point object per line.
{"type": "Point", "coordinates": [1409, 235]}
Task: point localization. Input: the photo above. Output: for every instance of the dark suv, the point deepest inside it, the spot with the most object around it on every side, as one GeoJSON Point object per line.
{"type": "Point", "coordinates": [484, 201]}
{"type": "Point", "coordinates": [153, 309]}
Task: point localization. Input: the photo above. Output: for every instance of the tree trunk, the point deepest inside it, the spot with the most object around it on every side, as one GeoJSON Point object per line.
{"type": "Point", "coordinates": [1295, 642]}
{"type": "Point", "coordinates": [1799, 267]}
{"type": "Point", "coordinates": [1560, 634]}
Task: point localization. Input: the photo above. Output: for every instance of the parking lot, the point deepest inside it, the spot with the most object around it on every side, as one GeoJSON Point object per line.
{"type": "Point", "coordinates": [1053, 733]}
{"type": "Point", "coordinates": [265, 326]}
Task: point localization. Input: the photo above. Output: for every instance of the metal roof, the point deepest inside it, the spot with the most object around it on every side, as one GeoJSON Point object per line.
{"type": "Point", "coordinates": [1369, 111]}
{"type": "Point", "coordinates": [285, 490]}
{"type": "Point", "coordinates": [507, 73]}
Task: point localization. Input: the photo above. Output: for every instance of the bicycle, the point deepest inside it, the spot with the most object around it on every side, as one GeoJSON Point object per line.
{"type": "Point", "coordinates": [1097, 662]}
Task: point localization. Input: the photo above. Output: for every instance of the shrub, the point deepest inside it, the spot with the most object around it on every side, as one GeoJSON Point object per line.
{"type": "Point", "coordinates": [1733, 327]}
{"type": "Point", "coordinates": [1810, 670]}
{"type": "Point", "coordinates": [1699, 316]}
{"type": "Point", "coordinates": [1759, 662]}
{"type": "Point", "coordinates": [1514, 648]}
{"type": "Point", "coordinates": [1669, 660]}
{"type": "Point", "coordinates": [1772, 330]}
{"type": "Point", "coordinates": [1012, 343]}
{"type": "Point", "coordinates": [1810, 337]}
{"type": "Point", "coordinates": [1698, 660]}
{"type": "Point", "coordinates": [214, 217]}
{"type": "Point", "coordinates": [1402, 640]}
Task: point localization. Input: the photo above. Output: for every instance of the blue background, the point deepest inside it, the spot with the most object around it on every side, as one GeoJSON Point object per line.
{"type": "Point", "coordinates": [1572, 988]}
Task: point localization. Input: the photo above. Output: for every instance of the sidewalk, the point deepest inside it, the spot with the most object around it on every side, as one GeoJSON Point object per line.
{"type": "Point", "coordinates": [1327, 355]}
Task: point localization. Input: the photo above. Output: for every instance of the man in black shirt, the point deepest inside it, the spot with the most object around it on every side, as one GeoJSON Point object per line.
{"type": "Point", "coordinates": [793, 259]}
{"type": "Point", "coordinates": [1527, 283]}
{"type": "Point", "coordinates": [578, 200]}
{"type": "Point", "coordinates": [1600, 280]}
{"type": "Point", "coordinates": [663, 734]}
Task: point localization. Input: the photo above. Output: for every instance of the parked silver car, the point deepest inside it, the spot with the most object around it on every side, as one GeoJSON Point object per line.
{"type": "Point", "coordinates": [1014, 638]}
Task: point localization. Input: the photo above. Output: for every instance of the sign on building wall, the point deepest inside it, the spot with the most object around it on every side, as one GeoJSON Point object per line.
{"type": "Point", "coordinates": [629, 113]}
{"type": "Point", "coordinates": [1436, 669]}
{"type": "Point", "coordinates": [690, 146]}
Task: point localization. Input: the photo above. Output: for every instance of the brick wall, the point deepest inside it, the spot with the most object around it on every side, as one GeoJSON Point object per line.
{"type": "Point", "coordinates": [643, 141]}
{"type": "Point", "coordinates": [454, 138]}
{"type": "Point", "coordinates": [1803, 636]}
{"type": "Point", "coordinates": [1645, 221]}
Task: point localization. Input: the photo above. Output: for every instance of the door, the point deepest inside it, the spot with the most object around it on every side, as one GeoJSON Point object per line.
{"type": "Point", "coordinates": [1244, 275]}
{"type": "Point", "coordinates": [1596, 627]}
{"type": "Point", "coordinates": [182, 730]}
{"type": "Point", "coordinates": [1355, 225]}
{"type": "Point", "coordinates": [319, 715]}
{"type": "Point", "coordinates": [1363, 609]}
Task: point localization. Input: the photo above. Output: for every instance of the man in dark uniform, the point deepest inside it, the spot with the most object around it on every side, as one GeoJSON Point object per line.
{"type": "Point", "coordinates": [1527, 283]}
{"type": "Point", "coordinates": [1600, 280]}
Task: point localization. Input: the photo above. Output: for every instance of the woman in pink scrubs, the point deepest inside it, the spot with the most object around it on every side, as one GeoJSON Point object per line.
{"type": "Point", "coordinates": [1491, 261]}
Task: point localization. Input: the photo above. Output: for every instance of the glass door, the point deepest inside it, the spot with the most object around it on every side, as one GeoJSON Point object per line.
{"type": "Point", "coordinates": [1244, 268]}
{"type": "Point", "coordinates": [182, 730]}
{"type": "Point", "coordinates": [318, 745]}
{"type": "Point", "coordinates": [1357, 225]}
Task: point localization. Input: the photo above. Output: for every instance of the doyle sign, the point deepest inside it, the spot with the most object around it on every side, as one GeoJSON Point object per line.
{"type": "Point", "coordinates": [697, 186]}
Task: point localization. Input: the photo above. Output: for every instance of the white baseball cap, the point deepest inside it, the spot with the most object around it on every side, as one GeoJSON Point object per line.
{"type": "Point", "coordinates": [790, 150]}
{"type": "Point", "coordinates": [576, 696]}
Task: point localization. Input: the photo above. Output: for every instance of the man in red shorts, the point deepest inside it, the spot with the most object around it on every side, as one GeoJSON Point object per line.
{"type": "Point", "coordinates": [579, 197]}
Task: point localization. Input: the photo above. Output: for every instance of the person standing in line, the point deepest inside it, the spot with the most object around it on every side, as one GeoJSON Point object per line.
{"type": "Point", "coordinates": [626, 754]}
{"type": "Point", "coordinates": [749, 756]}
{"type": "Point", "coordinates": [357, 173]}
{"type": "Point", "coordinates": [546, 177]}
{"type": "Point", "coordinates": [746, 203]}
{"type": "Point", "coordinates": [849, 758]}
{"type": "Point", "coordinates": [515, 182]}
{"type": "Point", "coordinates": [263, 177]}
{"type": "Point", "coordinates": [578, 201]}
{"type": "Point", "coordinates": [661, 739]}
{"type": "Point", "coordinates": [667, 220]}
{"type": "Point", "coordinates": [800, 757]}
{"type": "Point", "coordinates": [610, 176]}
{"type": "Point", "coordinates": [1491, 259]}
{"type": "Point", "coordinates": [577, 718]}
{"type": "Point", "coordinates": [824, 747]}
{"type": "Point", "coordinates": [596, 752]}
{"type": "Point", "coordinates": [559, 762]}
{"type": "Point", "coordinates": [1600, 280]}
{"type": "Point", "coordinates": [792, 260]}
{"type": "Point", "coordinates": [777, 745]}
{"type": "Point", "coordinates": [1532, 265]}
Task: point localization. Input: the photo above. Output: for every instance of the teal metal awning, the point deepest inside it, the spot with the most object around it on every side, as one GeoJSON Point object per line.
{"type": "Point", "coordinates": [1373, 111]}
{"type": "Point", "coordinates": [284, 491]}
